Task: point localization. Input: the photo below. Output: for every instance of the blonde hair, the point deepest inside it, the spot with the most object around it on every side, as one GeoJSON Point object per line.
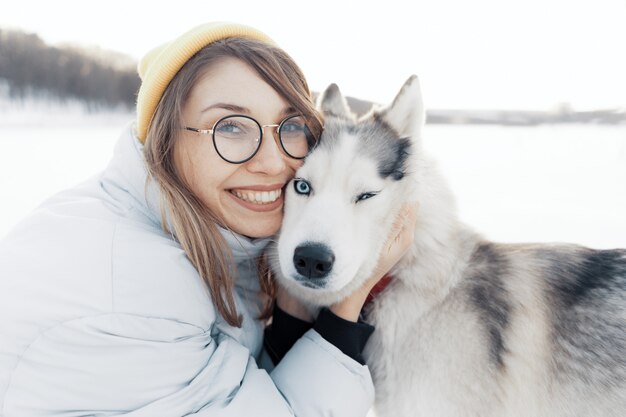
{"type": "Point", "coordinates": [195, 225]}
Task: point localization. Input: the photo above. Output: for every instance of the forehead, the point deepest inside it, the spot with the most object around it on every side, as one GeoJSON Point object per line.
{"type": "Point", "coordinates": [369, 139]}
{"type": "Point", "coordinates": [231, 80]}
{"type": "Point", "coordinates": [340, 166]}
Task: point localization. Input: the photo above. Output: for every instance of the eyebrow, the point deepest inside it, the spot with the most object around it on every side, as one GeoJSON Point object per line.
{"type": "Point", "coordinates": [240, 109]}
{"type": "Point", "coordinates": [226, 106]}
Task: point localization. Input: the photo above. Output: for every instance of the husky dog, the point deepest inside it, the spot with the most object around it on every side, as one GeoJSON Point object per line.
{"type": "Point", "coordinates": [467, 327]}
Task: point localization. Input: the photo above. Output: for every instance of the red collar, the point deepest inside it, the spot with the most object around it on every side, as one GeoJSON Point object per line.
{"type": "Point", "coordinates": [378, 288]}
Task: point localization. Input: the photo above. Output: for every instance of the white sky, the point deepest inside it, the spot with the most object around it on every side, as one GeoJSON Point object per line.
{"type": "Point", "coordinates": [521, 54]}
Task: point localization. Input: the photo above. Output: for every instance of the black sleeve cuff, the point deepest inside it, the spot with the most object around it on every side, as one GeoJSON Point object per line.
{"type": "Point", "coordinates": [348, 336]}
{"type": "Point", "coordinates": [283, 333]}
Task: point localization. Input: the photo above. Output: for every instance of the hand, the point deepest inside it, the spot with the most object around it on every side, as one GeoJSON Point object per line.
{"type": "Point", "coordinates": [399, 241]}
{"type": "Point", "coordinates": [291, 305]}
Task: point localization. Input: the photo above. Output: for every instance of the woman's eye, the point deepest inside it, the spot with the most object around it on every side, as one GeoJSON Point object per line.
{"type": "Point", "coordinates": [365, 196]}
{"type": "Point", "coordinates": [302, 187]}
{"type": "Point", "coordinates": [231, 128]}
{"type": "Point", "coordinates": [291, 127]}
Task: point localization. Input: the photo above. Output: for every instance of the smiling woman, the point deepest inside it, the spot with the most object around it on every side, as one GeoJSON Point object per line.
{"type": "Point", "coordinates": [247, 196]}
{"type": "Point", "coordinates": [156, 259]}
{"type": "Point", "coordinates": [216, 170]}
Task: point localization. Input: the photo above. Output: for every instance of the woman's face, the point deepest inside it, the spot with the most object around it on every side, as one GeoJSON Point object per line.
{"type": "Point", "coordinates": [248, 196]}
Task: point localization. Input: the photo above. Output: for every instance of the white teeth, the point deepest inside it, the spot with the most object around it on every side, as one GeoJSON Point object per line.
{"type": "Point", "coordinates": [258, 197]}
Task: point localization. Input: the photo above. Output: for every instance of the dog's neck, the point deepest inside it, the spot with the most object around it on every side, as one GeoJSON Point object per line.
{"type": "Point", "coordinates": [442, 245]}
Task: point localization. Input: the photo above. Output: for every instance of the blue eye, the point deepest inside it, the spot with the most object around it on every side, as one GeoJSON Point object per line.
{"type": "Point", "coordinates": [229, 127]}
{"type": "Point", "coordinates": [302, 187]}
{"type": "Point", "coordinates": [365, 196]}
{"type": "Point", "coordinates": [292, 127]}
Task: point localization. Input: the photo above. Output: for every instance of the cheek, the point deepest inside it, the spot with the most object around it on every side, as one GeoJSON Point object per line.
{"type": "Point", "coordinates": [200, 169]}
{"type": "Point", "coordinates": [185, 154]}
{"type": "Point", "coordinates": [294, 164]}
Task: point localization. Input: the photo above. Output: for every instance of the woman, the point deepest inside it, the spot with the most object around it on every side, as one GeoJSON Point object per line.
{"type": "Point", "coordinates": [137, 292]}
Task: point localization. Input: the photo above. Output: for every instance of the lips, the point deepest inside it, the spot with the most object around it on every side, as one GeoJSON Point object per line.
{"type": "Point", "coordinates": [259, 197]}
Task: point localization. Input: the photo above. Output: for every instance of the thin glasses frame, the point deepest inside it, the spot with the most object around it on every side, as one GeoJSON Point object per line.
{"type": "Point", "coordinates": [260, 138]}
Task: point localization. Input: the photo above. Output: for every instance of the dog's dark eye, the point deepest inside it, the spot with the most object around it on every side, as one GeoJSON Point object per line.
{"type": "Point", "coordinates": [302, 187]}
{"type": "Point", "coordinates": [365, 196]}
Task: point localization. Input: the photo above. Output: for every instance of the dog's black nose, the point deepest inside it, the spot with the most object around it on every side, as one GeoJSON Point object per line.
{"type": "Point", "coordinates": [313, 260]}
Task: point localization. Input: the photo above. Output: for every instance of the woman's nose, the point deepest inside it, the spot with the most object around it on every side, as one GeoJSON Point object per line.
{"type": "Point", "coordinates": [269, 159]}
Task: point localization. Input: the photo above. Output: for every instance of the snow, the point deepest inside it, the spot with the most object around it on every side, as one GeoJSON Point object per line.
{"type": "Point", "coordinates": [513, 184]}
{"type": "Point", "coordinates": [40, 109]}
{"type": "Point", "coordinates": [537, 184]}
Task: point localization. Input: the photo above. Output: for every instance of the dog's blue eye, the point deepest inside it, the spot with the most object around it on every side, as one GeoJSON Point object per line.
{"type": "Point", "coordinates": [302, 187]}
{"type": "Point", "coordinates": [364, 196]}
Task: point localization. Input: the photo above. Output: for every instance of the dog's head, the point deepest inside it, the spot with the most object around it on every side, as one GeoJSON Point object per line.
{"type": "Point", "coordinates": [342, 202]}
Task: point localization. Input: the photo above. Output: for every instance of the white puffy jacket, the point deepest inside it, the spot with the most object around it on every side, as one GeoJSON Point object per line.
{"type": "Point", "coordinates": [101, 313]}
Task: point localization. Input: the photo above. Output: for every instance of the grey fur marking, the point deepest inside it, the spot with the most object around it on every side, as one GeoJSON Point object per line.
{"type": "Point", "coordinates": [583, 289]}
{"type": "Point", "coordinates": [377, 141]}
{"type": "Point", "coordinates": [489, 297]}
{"type": "Point", "coordinates": [589, 274]}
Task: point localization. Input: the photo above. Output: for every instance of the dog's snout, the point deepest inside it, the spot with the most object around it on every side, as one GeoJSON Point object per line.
{"type": "Point", "coordinates": [313, 260]}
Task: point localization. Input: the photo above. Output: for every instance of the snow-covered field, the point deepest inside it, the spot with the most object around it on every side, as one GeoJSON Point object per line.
{"type": "Point", "coordinates": [550, 183]}
{"type": "Point", "coordinates": [543, 184]}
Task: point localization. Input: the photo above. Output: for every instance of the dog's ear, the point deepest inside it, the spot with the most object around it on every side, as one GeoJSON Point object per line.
{"type": "Point", "coordinates": [406, 113]}
{"type": "Point", "coordinates": [332, 103]}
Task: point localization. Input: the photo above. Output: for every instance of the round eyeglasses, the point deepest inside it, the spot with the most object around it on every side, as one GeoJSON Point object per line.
{"type": "Point", "coordinates": [237, 138]}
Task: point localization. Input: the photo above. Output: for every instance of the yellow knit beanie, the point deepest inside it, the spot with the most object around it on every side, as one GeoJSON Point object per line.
{"type": "Point", "coordinates": [158, 67]}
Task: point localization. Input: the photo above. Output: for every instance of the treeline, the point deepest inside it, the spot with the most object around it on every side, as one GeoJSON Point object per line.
{"type": "Point", "coordinates": [29, 66]}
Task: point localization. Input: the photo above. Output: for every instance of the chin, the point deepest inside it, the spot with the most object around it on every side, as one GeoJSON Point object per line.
{"type": "Point", "coordinates": [258, 230]}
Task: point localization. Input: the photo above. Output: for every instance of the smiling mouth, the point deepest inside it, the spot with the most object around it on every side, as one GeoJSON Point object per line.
{"type": "Point", "coordinates": [258, 197]}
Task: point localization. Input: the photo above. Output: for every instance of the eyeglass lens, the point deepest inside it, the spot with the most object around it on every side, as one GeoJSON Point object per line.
{"type": "Point", "coordinates": [237, 138]}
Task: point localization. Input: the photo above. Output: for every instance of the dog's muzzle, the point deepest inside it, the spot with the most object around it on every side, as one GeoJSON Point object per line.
{"type": "Point", "coordinates": [313, 261]}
